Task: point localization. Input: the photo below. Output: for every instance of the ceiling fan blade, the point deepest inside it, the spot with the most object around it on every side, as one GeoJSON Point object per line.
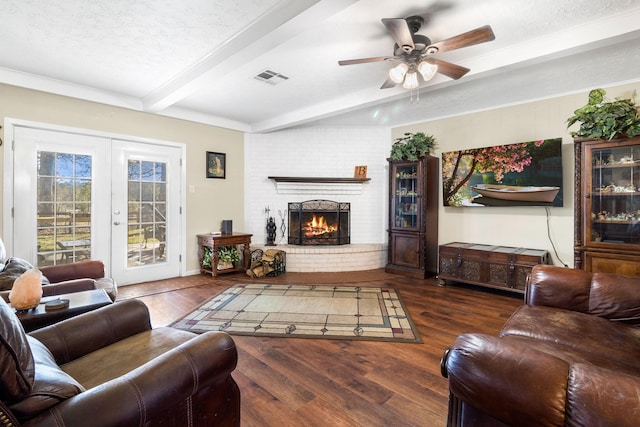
{"type": "Point", "coordinates": [399, 30]}
{"type": "Point", "coordinates": [366, 60]}
{"type": "Point", "coordinates": [477, 36]}
{"type": "Point", "coordinates": [448, 69]}
{"type": "Point", "coordinates": [387, 84]}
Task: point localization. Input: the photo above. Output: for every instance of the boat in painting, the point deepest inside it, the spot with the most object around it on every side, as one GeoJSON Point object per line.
{"type": "Point", "coordinates": [517, 193]}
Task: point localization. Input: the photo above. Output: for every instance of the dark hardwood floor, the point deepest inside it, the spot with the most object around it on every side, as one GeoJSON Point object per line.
{"type": "Point", "coordinates": [311, 382]}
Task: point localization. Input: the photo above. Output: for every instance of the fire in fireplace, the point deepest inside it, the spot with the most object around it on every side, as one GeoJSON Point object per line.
{"type": "Point", "coordinates": [319, 222]}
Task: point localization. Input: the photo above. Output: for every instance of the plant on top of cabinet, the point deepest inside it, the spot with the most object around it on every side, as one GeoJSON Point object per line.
{"type": "Point", "coordinates": [412, 146]}
{"type": "Point", "coordinates": [607, 120]}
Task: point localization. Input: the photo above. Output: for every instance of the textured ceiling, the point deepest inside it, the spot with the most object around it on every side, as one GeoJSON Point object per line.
{"type": "Point", "coordinates": [196, 59]}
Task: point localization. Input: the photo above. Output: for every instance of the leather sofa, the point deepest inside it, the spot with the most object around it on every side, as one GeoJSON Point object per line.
{"type": "Point", "coordinates": [108, 367]}
{"type": "Point", "coordinates": [570, 356]}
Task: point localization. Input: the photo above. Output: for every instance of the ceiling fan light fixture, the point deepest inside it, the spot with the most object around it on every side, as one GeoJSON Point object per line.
{"type": "Point", "coordinates": [411, 81]}
{"type": "Point", "coordinates": [397, 73]}
{"type": "Point", "coordinates": [427, 70]}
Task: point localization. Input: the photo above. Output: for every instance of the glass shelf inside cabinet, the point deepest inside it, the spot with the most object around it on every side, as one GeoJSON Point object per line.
{"type": "Point", "coordinates": [615, 195]}
{"type": "Point", "coordinates": [406, 196]}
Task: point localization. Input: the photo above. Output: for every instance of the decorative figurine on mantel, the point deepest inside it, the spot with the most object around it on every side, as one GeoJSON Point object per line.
{"type": "Point", "coordinates": [271, 232]}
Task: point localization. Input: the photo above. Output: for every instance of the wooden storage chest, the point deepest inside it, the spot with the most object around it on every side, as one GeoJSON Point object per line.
{"type": "Point", "coordinates": [500, 267]}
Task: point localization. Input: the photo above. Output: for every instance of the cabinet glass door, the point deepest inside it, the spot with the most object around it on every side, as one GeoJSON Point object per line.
{"type": "Point", "coordinates": [405, 191]}
{"type": "Point", "coordinates": [614, 195]}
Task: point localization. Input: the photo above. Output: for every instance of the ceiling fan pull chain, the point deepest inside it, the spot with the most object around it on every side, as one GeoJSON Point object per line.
{"type": "Point", "coordinates": [417, 98]}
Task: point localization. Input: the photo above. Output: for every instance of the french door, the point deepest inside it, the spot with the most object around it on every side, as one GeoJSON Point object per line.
{"type": "Point", "coordinates": [145, 211]}
{"type": "Point", "coordinates": [79, 196]}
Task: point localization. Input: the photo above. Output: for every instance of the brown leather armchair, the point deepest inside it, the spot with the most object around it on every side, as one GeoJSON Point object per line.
{"type": "Point", "coordinates": [67, 278]}
{"type": "Point", "coordinates": [59, 279]}
{"type": "Point", "coordinates": [78, 276]}
{"type": "Point", "coordinates": [569, 357]}
{"type": "Point", "coordinates": [108, 367]}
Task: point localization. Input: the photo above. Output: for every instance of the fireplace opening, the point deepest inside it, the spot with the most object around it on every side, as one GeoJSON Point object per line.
{"type": "Point", "coordinates": [319, 222]}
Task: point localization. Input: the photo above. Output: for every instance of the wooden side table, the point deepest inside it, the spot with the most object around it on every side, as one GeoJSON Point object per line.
{"type": "Point", "coordinates": [216, 241]}
{"type": "Point", "coordinates": [79, 302]}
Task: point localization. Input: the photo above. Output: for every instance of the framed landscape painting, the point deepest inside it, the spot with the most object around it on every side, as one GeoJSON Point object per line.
{"type": "Point", "coordinates": [521, 174]}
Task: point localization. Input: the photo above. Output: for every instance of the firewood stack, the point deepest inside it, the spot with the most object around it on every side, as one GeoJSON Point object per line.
{"type": "Point", "coordinates": [266, 263]}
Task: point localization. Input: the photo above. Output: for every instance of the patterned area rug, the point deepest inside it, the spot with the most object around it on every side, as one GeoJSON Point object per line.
{"type": "Point", "coordinates": [305, 311]}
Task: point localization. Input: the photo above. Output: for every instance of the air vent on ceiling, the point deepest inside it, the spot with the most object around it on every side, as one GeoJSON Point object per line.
{"type": "Point", "coordinates": [271, 77]}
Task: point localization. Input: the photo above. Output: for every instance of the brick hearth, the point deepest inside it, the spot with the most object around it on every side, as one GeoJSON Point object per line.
{"type": "Point", "coordinates": [354, 257]}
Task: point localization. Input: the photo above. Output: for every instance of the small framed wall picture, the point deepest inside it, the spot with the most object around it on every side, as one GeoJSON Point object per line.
{"type": "Point", "coordinates": [216, 165]}
{"type": "Point", "coordinates": [360, 172]}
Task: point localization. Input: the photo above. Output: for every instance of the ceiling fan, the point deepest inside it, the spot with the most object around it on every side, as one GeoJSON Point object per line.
{"type": "Point", "coordinates": [418, 55]}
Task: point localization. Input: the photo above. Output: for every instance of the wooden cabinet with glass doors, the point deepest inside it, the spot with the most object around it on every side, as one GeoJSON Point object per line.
{"type": "Point", "coordinates": [413, 217]}
{"type": "Point", "coordinates": [607, 205]}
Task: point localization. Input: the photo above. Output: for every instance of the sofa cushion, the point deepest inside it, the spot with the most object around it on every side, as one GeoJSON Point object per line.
{"type": "Point", "coordinates": [559, 287]}
{"type": "Point", "coordinates": [615, 297]}
{"type": "Point", "coordinates": [51, 384]}
{"type": "Point", "coordinates": [13, 269]}
{"type": "Point", "coordinates": [582, 332]}
{"type": "Point", "coordinates": [16, 359]}
{"type": "Point", "coordinates": [572, 355]}
{"type": "Point", "coordinates": [601, 397]}
{"type": "Point", "coordinates": [125, 355]}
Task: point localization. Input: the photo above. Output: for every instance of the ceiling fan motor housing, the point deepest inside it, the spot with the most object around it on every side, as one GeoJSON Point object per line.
{"type": "Point", "coordinates": [415, 23]}
{"type": "Point", "coordinates": [420, 43]}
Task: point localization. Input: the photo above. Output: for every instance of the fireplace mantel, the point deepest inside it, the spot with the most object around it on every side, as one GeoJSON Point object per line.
{"type": "Point", "coordinates": [318, 179]}
{"type": "Point", "coordinates": [318, 185]}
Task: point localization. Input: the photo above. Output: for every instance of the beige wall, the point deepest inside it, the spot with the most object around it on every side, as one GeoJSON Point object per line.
{"type": "Point", "coordinates": [211, 201]}
{"type": "Point", "coordinates": [215, 199]}
{"type": "Point", "coordinates": [523, 227]}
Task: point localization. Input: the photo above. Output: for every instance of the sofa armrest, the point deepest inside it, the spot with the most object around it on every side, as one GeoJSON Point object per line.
{"type": "Point", "coordinates": [558, 287]}
{"type": "Point", "coordinates": [88, 332]}
{"type": "Point", "coordinates": [68, 287]}
{"type": "Point", "coordinates": [507, 380]}
{"type": "Point", "coordinates": [91, 268]}
{"type": "Point", "coordinates": [203, 363]}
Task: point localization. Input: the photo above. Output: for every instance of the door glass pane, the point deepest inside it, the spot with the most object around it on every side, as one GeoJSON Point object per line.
{"type": "Point", "coordinates": [147, 223]}
{"type": "Point", "coordinates": [64, 207]}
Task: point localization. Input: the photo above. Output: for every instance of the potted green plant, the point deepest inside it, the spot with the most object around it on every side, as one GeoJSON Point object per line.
{"type": "Point", "coordinates": [606, 119]}
{"type": "Point", "coordinates": [228, 257]}
{"type": "Point", "coordinates": [412, 146]}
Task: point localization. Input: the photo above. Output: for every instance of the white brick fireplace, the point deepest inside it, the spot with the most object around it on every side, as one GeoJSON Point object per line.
{"type": "Point", "coordinates": [320, 152]}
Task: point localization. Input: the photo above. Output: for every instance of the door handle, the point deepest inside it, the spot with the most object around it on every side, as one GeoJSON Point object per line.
{"type": "Point", "coordinates": [116, 222]}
